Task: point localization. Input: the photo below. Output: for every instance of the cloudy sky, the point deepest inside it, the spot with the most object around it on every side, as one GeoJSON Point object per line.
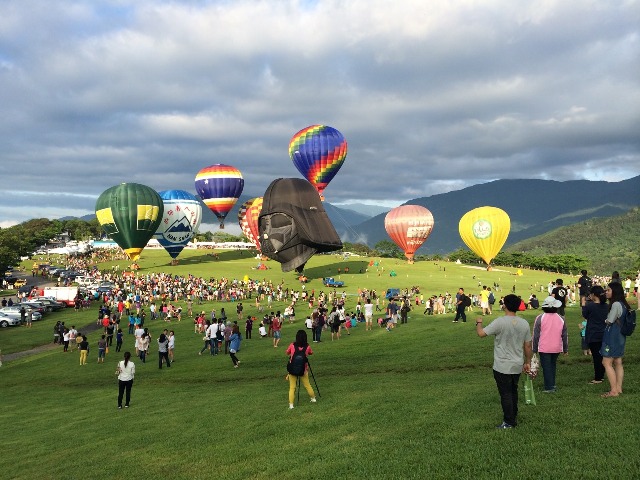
{"type": "Point", "coordinates": [431, 96]}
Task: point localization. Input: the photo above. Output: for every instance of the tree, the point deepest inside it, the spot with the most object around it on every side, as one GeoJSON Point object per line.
{"type": "Point", "coordinates": [386, 248]}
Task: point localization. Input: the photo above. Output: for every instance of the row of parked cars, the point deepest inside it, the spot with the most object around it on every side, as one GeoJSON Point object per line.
{"type": "Point", "coordinates": [12, 315]}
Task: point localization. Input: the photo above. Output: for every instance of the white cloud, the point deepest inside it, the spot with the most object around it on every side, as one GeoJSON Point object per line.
{"type": "Point", "coordinates": [430, 95]}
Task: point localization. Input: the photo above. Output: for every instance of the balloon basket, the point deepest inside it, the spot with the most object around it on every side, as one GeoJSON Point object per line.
{"type": "Point", "coordinates": [175, 262]}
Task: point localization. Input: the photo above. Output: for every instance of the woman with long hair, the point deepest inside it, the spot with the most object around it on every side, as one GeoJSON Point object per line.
{"type": "Point", "coordinates": [126, 371]}
{"type": "Point", "coordinates": [595, 311]}
{"type": "Point", "coordinates": [234, 344]}
{"type": "Point", "coordinates": [613, 342]}
{"type": "Point", "coordinates": [298, 352]}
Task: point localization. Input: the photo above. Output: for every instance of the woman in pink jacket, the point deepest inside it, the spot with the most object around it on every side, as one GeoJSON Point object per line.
{"type": "Point", "coordinates": [549, 339]}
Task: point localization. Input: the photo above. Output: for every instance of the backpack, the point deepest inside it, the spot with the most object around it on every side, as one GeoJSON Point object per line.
{"type": "Point", "coordinates": [297, 363]}
{"type": "Point", "coordinates": [492, 298]}
{"type": "Point", "coordinates": [627, 322]}
{"type": "Point", "coordinates": [466, 301]}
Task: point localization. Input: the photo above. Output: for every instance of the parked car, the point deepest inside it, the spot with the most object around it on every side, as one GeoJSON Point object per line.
{"type": "Point", "coordinates": [332, 282]}
{"type": "Point", "coordinates": [14, 312]}
{"type": "Point", "coordinates": [36, 306]}
{"type": "Point", "coordinates": [7, 321]}
{"type": "Point", "coordinates": [55, 270]}
{"type": "Point", "coordinates": [51, 304]}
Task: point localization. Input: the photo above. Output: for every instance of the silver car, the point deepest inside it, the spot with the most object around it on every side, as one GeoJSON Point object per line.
{"type": "Point", "coordinates": [7, 321]}
{"type": "Point", "coordinates": [14, 312]}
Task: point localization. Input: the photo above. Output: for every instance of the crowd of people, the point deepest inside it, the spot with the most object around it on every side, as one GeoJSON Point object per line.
{"type": "Point", "coordinates": [136, 300]}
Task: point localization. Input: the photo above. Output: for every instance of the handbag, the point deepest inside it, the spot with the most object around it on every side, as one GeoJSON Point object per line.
{"type": "Point", "coordinates": [529, 395]}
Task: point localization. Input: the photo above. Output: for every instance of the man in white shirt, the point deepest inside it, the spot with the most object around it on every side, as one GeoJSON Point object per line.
{"type": "Point", "coordinates": [212, 333]}
{"type": "Point", "coordinates": [368, 314]}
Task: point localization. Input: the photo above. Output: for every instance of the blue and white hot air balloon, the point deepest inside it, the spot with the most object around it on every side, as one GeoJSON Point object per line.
{"type": "Point", "coordinates": [180, 221]}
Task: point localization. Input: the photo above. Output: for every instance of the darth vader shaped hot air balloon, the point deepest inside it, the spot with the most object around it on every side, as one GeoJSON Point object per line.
{"type": "Point", "coordinates": [293, 225]}
{"type": "Point", "coordinates": [130, 214]}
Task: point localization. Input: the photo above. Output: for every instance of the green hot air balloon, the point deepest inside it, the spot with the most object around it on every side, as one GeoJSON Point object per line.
{"type": "Point", "coordinates": [130, 214]}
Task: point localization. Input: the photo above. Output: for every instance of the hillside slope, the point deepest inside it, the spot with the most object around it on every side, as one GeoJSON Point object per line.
{"type": "Point", "coordinates": [609, 243]}
{"type": "Point", "coordinates": [534, 206]}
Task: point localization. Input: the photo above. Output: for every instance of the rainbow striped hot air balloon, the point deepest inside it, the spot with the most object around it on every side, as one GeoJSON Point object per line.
{"type": "Point", "coordinates": [248, 220]}
{"type": "Point", "coordinates": [318, 152]}
{"type": "Point", "coordinates": [219, 186]}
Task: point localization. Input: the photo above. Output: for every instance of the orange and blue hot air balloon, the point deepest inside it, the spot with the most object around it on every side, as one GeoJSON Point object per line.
{"type": "Point", "coordinates": [318, 152]}
{"type": "Point", "coordinates": [219, 186]}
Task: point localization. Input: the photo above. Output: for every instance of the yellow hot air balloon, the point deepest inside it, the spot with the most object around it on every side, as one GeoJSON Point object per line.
{"type": "Point", "coordinates": [485, 230]}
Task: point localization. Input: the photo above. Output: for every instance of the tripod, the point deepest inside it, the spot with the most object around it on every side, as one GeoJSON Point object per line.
{"type": "Point", "coordinates": [314, 381]}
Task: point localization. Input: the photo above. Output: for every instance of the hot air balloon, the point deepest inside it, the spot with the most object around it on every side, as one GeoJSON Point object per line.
{"type": "Point", "coordinates": [130, 214]}
{"type": "Point", "coordinates": [485, 230]}
{"type": "Point", "coordinates": [318, 152]}
{"type": "Point", "coordinates": [219, 186]}
{"type": "Point", "coordinates": [409, 226]}
{"type": "Point", "coordinates": [180, 221]}
{"type": "Point", "coordinates": [248, 219]}
{"type": "Point", "coordinates": [293, 224]}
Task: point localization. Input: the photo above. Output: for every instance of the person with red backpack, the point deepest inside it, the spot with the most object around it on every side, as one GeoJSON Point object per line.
{"type": "Point", "coordinates": [298, 366]}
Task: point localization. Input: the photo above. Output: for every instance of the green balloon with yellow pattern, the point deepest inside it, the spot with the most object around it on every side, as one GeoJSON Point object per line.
{"type": "Point", "coordinates": [130, 213]}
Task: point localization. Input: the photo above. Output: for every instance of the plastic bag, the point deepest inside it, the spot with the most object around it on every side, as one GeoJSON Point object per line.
{"type": "Point", "coordinates": [529, 395]}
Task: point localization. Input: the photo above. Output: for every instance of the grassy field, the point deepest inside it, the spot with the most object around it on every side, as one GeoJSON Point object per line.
{"type": "Point", "coordinates": [417, 402]}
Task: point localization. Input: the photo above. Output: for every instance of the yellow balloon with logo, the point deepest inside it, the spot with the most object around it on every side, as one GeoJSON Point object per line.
{"type": "Point", "coordinates": [485, 230]}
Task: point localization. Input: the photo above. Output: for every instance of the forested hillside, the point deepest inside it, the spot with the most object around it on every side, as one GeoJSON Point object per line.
{"type": "Point", "coordinates": [608, 243]}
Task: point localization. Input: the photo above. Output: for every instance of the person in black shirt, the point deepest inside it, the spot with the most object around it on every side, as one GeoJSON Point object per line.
{"type": "Point", "coordinates": [560, 293]}
{"type": "Point", "coordinates": [584, 286]}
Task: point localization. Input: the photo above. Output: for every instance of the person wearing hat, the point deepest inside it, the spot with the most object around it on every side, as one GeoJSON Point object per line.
{"type": "Point", "coordinates": [511, 356]}
{"type": "Point", "coordinates": [560, 293]}
{"type": "Point", "coordinates": [549, 339]}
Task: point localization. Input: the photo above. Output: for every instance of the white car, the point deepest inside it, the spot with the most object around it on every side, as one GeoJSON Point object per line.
{"type": "Point", "coordinates": [7, 321]}
{"type": "Point", "coordinates": [14, 312]}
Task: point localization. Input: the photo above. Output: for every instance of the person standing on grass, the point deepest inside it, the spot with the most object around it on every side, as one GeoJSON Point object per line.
{"type": "Point", "coordinates": [234, 345]}
{"type": "Point", "coordinates": [595, 312]}
{"type": "Point", "coordinates": [276, 326]}
{"type": "Point", "coordinates": [172, 345]}
{"type": "Point", "coordinates": [613, 341]}
{"type": "Point", "coordinates": [300, 345]}
{"type": "Point", "coordinates": [511, 356]}
{"type": "Point", "coordinates": [248, 327]}
{"type": "Point", "coordinates": [84, 349]}
{"type": "Point", "coordinates": [126, 370]}
{"type": "Point", "coordinates": [65, 340]}
{"type": "Point", "coordinates": [368, 315]}
{"type": "Point", "coordinates": [102, 347]}
{"type": "Point", "coordinates": [549, 339]}
{"type": "Point", "coordinates": [163, 350]}
{"type": "Point", "coordinates": [119, 337]}
{"type": "Point", "coordinates": [460, 306]}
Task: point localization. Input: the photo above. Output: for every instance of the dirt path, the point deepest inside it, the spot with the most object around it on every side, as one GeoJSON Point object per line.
{"type": "Point", "coordinates": [92, 327]}
{"type": "Point", "coordinates": [41, 282]}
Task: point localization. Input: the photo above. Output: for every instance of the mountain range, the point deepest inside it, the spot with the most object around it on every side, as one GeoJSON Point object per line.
{"type": "Point", "coordinates": [534, 207]}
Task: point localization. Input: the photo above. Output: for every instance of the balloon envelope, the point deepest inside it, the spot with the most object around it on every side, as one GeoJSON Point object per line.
{"type": "Point", "coordinates": [180, 221]}
{"type": "Point", "coordinates": [130, 214]}
{"type": "Point", "coordinates": [409, 226]}
{"type": "Point", "coordinates": [248, 219]}
{"type": "Point", "coordinates": [318, 152]}
{"type": "Point", "coordinates": [485, 230]}
{"type": "Point", "coordinates": [219, 186]}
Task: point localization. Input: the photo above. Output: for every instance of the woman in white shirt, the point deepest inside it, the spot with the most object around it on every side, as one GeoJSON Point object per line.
{"type": "Point", "coordinates": [126, 371]}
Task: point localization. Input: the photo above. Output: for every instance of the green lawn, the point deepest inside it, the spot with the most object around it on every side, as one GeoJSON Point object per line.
{"type": "Point", "coordinates": [417, 402]}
